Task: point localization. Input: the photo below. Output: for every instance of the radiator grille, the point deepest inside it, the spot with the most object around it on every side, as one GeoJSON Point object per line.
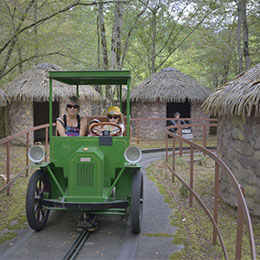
{"type": "Point", "coordinates": [85, 175]}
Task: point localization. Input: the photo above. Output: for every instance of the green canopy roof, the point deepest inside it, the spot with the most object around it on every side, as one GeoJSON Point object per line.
{"type": "Point", "coordinates": [91, 77]}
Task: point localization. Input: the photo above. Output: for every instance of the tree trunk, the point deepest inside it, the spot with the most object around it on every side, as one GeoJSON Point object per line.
{"type": "Point", "coordinates": [245, 33]}
{"type": "Point", "coordinates": [118, 34]}
{"type": "Point", "coordinates": [108, 97]}
{"type": "Point", "coordinates": [153, 41]}
{"type": "Point", "coordinates": [35, 29]}
{"type": "Point", "coordinates": [98, 42]}
{"type": "Point", "coordinates": [103, 35]}
{"type": "Point", "coordinates": [239, 52]}
{"type": "Point", "coordinates": [98, 87]}
{"type": "Point", "coordinates": [19, 50]}
{"type": "Point", "coordinates": [116, 44]}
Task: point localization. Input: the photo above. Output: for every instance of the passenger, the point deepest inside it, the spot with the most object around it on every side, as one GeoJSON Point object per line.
{"type": "Point", "coordinates": [71, 124]}
{"type": "Point", "coordinates": [115, 116]}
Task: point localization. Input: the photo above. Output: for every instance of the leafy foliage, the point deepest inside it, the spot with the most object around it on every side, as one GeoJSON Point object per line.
{"type": "Point", "coordinates": [195, 37]}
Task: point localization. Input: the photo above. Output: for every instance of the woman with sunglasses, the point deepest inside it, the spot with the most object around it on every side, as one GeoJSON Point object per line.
{"type": "Point", "coordinates": [71, 124]}
{"type": "Point", "coordinates": [115, 116]}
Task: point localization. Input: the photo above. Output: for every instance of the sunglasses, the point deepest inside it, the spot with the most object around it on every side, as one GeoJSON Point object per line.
{"type": "Point", "coordinates": [113, 116]}
{"type": "Point", "coordinates": [73, 106]}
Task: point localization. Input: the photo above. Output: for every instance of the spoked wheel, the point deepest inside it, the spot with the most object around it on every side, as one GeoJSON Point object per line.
{"type": "Point", "coordinates": [136, 213]}
{"type": "Point", "coordinates": [36, 215]}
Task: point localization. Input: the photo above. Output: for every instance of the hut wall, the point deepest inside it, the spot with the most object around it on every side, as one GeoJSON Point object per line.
{"type": "Point", "coordinates": [239, 147]}
{"type": "Point", "coordinates": [197, 112]}
{"type": "Point", "coordinates": [149, 129]}
{"type": "Point", "coordinates": [20, 118]}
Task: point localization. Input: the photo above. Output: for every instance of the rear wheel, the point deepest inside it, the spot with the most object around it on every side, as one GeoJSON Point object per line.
{"type": "Point", "coordinates": [39, 184]}
{"type": "Point", "coordinates": [136, 213]}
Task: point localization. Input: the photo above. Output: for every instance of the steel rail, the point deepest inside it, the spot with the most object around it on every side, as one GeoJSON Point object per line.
{"type": "Point", "coordinates": [77, 245]}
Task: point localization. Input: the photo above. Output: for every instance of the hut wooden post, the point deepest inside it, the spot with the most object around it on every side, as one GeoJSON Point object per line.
{"type": "Point", "coordinates": [27, 149]}
{"type": "Point", "coordinates": [8, 166]}
{"type": "Point", "coordinates": [138, 131]}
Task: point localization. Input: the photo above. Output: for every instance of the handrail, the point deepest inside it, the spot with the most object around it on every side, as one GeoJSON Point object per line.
{"type": "Point", "coordinates": [203, 122]}
{"type": "Point", "coordinates": [242, 207]}
{"type": "Point", "coordinates": [7, 140]}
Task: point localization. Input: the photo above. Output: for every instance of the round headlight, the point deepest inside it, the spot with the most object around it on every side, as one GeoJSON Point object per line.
{"type": "Point", "coordinates": [36, 153]}
{"type": "Point", "coordinates": [133, 154]}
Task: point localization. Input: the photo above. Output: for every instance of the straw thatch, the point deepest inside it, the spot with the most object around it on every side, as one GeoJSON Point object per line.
{"type": "Point", "coordinates": [169, 85]}
{"type": "Point", "coordinates": [3, 98]}
{"type": "Point", "coordinates": [33, 85]}
{"type": "Point", "coordinates": [241, 96]}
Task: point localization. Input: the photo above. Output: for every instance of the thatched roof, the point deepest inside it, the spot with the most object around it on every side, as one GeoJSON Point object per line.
{"type": "Point", "coordinates": [241, 96]}
{"type": "Point", "coordinates": [33, 85]}
{"type": "Point", "coordinates": [3, 98]}
{"type": "Point", "coordinates": [169, 85]}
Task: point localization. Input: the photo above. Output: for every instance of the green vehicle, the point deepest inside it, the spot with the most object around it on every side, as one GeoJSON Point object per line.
{"type": "Point", "coordinates": [97, 175]}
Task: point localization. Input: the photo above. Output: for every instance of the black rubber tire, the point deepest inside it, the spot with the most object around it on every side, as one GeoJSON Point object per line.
{"type": "Point", "coordinates": [36, 215]}
{"type": "Point", "coordinates": [136, 213]}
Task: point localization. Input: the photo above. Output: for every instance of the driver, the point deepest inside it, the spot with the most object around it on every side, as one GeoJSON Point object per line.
{"type": "Point", "coordinates": [115, 116]}
{"type": "Point", "coordinates": [114, 125]}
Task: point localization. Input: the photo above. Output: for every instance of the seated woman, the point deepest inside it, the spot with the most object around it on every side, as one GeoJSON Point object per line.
{"type": "Point", "coordinates": [71, 124]}
{"type": "Point", "coordinates": [114, 125]}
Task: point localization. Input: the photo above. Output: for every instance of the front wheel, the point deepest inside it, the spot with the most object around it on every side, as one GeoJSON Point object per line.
{"type": "Point", "coordinates": [136, 213]}
{"type": "Point", "coordinates": [38, 186]}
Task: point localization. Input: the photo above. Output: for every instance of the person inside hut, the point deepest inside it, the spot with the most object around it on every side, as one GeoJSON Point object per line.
{"type": "Point", "coordinates": [71, 124]}
{"type": "Point", "coordinates": [174, 122]}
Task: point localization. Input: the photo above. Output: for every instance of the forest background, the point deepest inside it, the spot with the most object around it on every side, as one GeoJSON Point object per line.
{"type": "Point", "coordinates": [210, 40]}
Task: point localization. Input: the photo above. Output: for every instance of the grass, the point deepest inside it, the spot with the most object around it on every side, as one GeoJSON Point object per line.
{"type": "Point", "coordinates": [194, 227]}
{"type": "Point", "coordinates": [12, 207]}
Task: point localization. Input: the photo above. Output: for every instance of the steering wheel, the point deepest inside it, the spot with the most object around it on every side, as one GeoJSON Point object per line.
{"type": "Point", "coordinates": [98, 132]}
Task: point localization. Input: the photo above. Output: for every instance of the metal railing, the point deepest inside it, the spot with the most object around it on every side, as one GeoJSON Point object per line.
{"type": "Point", "coordinates": [243, 213]}
{"type": "Point", "coordinates": [203, 123]}
{"type": "Point", "coordinates": [7, 142]}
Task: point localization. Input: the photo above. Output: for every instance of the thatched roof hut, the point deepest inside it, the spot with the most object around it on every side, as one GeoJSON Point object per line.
{"type": "Point", "coordinates": [169, 85]}
{"type": "Point", "coordinates": [3, 98]}
{"type": "Point", "coordinates": [240, 97]}
{"type": "Point", "coordinates": [237, 106]}
{"type": "Point", "coordinates": [29, 94]}
{"type": "Point", "coordinates": [33, 85]}
{"type": "Point", "coordinates": [164, 93]}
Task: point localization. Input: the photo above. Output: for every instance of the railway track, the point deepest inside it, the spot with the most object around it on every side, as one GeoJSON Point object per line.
{"type": "Point", "coordinates": [88, 225]}
{"type": "Point", "coordinates": [77, 245]}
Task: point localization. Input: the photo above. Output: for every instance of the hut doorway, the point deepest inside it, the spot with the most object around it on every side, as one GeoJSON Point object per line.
{"type": "Point", "coordinates": [41, 116]}
{"type": "Point", "coordinates": [173, 107]}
